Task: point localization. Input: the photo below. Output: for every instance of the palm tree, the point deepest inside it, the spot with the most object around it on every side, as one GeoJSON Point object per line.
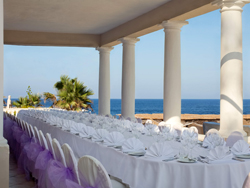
{"type": "Point", "coordinates": [32, 100]}
{"type": "Point", "coordinates": [51, 97]}
{"type": "Point", "coordinates": [73, 95]}
{"type": "Point", "coordinates": [35, 100]}
{"type": "Point", "coordinates": [22, 102]}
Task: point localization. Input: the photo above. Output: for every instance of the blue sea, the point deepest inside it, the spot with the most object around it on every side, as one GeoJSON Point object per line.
{"type": "Point", "coordinates": [149, 106]}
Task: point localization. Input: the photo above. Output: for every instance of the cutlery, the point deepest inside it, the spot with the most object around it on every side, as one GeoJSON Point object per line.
{"type": "Point", "coordinates": [203, 161]}
{"type": "Point", "coordinates": [237, 159]}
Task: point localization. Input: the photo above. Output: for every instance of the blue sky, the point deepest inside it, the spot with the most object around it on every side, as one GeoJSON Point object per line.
{"type": "Point", "coordinates": [41, 67]}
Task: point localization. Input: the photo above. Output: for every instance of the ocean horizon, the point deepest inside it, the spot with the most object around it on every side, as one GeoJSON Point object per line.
{"type": "Point", "coordinates": [150, 106]}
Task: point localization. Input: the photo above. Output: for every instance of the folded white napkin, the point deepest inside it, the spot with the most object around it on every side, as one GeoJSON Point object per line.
{"type": "Point", "coordinates": [114, 139]}
{"type": "Point", "coordinates": [213, 140]}
{"type": "Point", "coordinates": [169, 132]}
{"type": "Point", "coordinates": [95, 121]}
{"type": "Point", "coordinates": [145, 131]}
{"type": "Point", "coordinates": [77, 128]}
{"type": "Point", "coordinates": [133, 145]}
{"type": "Point", "coordinates": [100, 135]}
{"type": "Point", "coordinates": [160, 151]}
{"type": "Point", "coordinates": [67, 124]}
{"type": "Point", "coordinates": [89, 130]}
{"type": "Point", "coordinates": [189, 132]}
{"type": "Point", "coordinates": [138, 126]}
{"type": "Point", "coordinates": [126, 124]}
{"type": "Point", "coordinates": [152, 128]}
{"type": "Point", "coordinates": [220, 153]}
{"type": "Point", "coordinates": [241, 147]}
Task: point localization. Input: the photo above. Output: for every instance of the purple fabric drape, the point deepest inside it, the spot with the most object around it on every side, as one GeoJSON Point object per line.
{"type": "Point", "coordinates": [42, 161]}
{"type": "Point", "coordinates": [57, 175]}
{"type": "Point", "coordinates": [17, 132]}
{"type": "Point", "coordinates": [33, 149]}
{"type": "Point", "coordinates": [72, 184]}
{"type": "Point", "coordinates": [100, 178]}
{"type": "Point", "coordinates": [34, 158]}
{"type": "Point", "coordinates": [24, 163]}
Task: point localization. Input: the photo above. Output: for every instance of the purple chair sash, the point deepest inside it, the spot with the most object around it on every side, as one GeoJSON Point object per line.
{"type": "Point", "coordinates": [72, 184]}
{"type": "Point", "coordinates": [42, 161]}
{"type": "Point", "coordinates": [57, 174]}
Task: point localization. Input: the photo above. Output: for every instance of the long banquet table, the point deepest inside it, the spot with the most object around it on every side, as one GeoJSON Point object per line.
{"type": "Point", "coordinates": [140, 172]}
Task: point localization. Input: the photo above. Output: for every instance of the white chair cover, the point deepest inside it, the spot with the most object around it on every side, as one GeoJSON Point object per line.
{"type": "Point", "coordinates": [37, 135]}
{"type": "Point", "coordinates": [28, 129]}
{"type": "Point", "coordinates": [194, 129]}
{"type": "Point", "coordinates": [92, 173]}
{"type": "Point", "coordinates": [43, 140]}
{"type": "Point", "coordinates": [211, 131]}
{"type": "Point", "coordinates": [70, 160]}
{"type": "Point", "coordinates": [234, 137]}
{"type": "Point", "coordinates": [59, 156]}
{"type": "Point", "coordinates": [49, 142]}
{"type": "Point", "coordinates": [22, 126]}
{"type": "Point", "coordinates": [31, 130]}
{"type": "Point", "coordinates": [247, 182]}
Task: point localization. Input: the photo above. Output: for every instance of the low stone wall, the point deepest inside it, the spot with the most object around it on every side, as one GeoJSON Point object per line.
{"type": "Point", "coordinates": [189, 120]}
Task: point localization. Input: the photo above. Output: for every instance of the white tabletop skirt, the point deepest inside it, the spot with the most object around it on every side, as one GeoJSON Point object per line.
{"type": "Point", "coordinates": [140, 172]}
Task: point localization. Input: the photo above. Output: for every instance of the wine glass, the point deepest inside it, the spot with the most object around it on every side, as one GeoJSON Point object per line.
{"type": "Point", "coordinates": [183, 152]}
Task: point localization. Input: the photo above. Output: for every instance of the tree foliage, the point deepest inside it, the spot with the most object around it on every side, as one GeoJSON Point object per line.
{"type": "Point", "coordinates": [72, 94]}
{"type": "Point", "coordinates": [29, 101]}
{"type": "Point", "coordinates": [51, 97]}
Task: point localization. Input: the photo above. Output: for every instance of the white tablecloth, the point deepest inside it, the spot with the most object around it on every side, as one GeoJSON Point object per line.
{"type": "Point", "coordinates": [140, 172]}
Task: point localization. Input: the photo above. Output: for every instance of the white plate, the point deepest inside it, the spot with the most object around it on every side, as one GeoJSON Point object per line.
{"type": "Point", "coordinates": [186, 160]}
{"type": "Point", "coordinates": [137, 153]}
{"type": "Point", "coordinates": [243, 156]}
{"type": "Point", "coordinates": [114, 145]}
{"type": "Point", "coordinates": [169, 159]}
{"type": "Point", "coordinates": [87, 136]}
{"type": "Point", "coordinates": [97, 140]}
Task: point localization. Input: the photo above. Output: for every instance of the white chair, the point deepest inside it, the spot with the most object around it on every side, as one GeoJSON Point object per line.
{"type": "Point", "coordinates": [93, 174]}
{"type": "Point", "coordinates": [27, 129]}
{"type": "Point", "coordinates": [247, 182]}
{"type": "Point", "coordinates": [211, 131]}
{"type": "Point", "coordinates": [37, 135]}
{"type": "Point", "coordinates": [43, 140]}
{"type": "Point", "coordinates": [22, 127]}
{"type": "Point", "coordinates": [49, 142]}
{"type": "Point", "coordinates": [31, 131]}
{"type": "Point", "coordinates": [234, 137]}
{"type": "Point", "coordinates": [70, 160]}
{"type": "Point", "coordinates": [59, 156]}
{"type": "Point", "coordinates": [194, 129]}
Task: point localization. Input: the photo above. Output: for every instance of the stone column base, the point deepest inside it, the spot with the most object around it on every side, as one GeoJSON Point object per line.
{"type": "Point", "coordinates": [4, 161]}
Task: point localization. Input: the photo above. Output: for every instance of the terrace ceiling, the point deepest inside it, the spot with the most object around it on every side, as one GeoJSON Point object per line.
{"type": "Point", "coordinates": [90, 23]}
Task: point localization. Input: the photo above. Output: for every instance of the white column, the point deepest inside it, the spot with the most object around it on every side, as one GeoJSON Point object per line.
{"type": "Point", "coordinates": [1, 73]}
{"type": "Point", "coordinates": [172, 72]}
{"type": "Point", "coordinates": [4, 148]}
{"type": "Point", "coordinates": [104, 81]}
{"type": "Point", "coordinates": [231, 72]}
{"type": "Point", "coordinates": [128, 77]}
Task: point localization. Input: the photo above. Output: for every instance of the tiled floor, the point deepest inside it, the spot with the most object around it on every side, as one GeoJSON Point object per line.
{"type": "Point", "coordinates": [17, 179]}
